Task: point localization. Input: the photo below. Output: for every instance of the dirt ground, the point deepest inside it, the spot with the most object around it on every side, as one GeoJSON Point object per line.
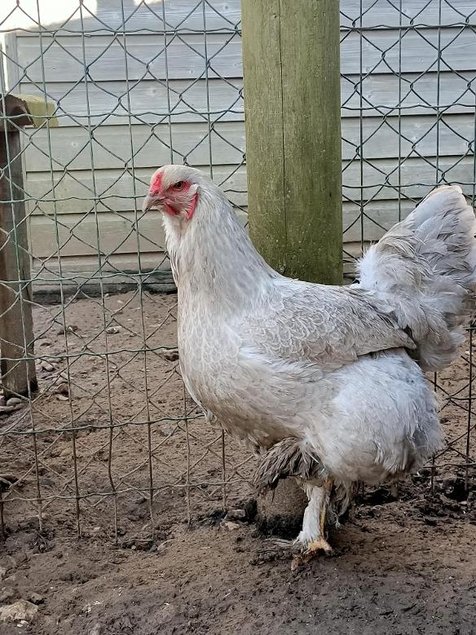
{"type": "Point", "coordinates": [106, 450]}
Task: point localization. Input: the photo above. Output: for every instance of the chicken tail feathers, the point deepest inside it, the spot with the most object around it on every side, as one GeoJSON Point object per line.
{"type": "Point", "coordinates": [424, 272]}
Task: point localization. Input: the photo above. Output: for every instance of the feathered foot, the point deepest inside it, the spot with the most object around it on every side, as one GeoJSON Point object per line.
{"type": "Point", "coordinates": [300, 551]}
{"type": "Point", "coordinates": [314, 548]}
{"type": "Point", "coordinates": [312, 538]}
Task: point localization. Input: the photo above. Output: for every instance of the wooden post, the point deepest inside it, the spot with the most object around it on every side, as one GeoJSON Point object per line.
{"type": "Point", "coordinates": [16, 324]}
{"type": "Point", "coordinates": [293, 135]}
{"type": "Point", "coordinates": [293, 153]}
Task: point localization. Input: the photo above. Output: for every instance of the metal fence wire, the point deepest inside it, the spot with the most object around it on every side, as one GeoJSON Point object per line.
{"type": "Point", "coordinates": [110, 443]}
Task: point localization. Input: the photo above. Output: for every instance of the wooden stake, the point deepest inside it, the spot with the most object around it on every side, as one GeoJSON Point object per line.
{"type": "Point", "coordinates": [16, 324]}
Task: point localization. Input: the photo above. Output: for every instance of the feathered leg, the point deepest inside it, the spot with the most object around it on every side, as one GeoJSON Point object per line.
{"type": "Point", "coordinates": [312, 538]}
{"type": "Point", "coordinates": [292, 457]}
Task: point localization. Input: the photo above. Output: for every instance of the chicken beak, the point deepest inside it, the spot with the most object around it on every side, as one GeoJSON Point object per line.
{"type": "Point", "coordinates": [152, 202]}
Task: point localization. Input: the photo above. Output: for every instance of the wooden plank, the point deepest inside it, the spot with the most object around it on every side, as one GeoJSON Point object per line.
{"type": "Point", "coordinates": [407, 136]}
{"type": "Point", "coordinates": [10, 70]}
{"type": "Point", "coordinates": [121, 234]}
{"type": "Point", "coordinates": [113, 146]}
{"type": "Point", "coordinates": [83, 276]}
{"type": "Point", "coordinates": [111, 190]}
{"type": "Point", "coordinates": [64, 59]}
{"type": "Point", "coordinates": [146, 102]}
{"type": "Point", "coordinates": [377, 217]}
{"type": "Point", "coordinates": [81, 267]}
{"type": "Point", "coordinates": [188, 15]}
{"type": "Point", "coordinates": [110, 235]}
{"type": "Point", "coordinates": [410, 93]}
{"type": "Point", "coordinates": [80, 258]}
{"type": "Point", "coordinates": [388, 137]}
{"type": "Point", "coordinates": [390, 178]}
{"type": "Point", "coordinates": [375, 13]}
{"type": "Point", "coordinates": [73, 235]}
{"type": "Point", "coordinates": [116, 190]}
{"type": "Point", "coordinates": [370, 222]}
{"type": "Point", "coordinates": [16, 325]}
{"type": "Point", "coordinates": [107, 15]}
{"type": "Point", "coordinates": [387, 52]}
{"type": "Point", "coordinates": [152, 56]}
{"type": "Point", "coordinates": [96, 286]}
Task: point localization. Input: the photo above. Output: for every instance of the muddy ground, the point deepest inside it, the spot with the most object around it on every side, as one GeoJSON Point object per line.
{"type": "Point", "coordinates": [106, 451]}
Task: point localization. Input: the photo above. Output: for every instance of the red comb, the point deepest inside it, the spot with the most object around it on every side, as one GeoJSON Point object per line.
{"type": "Point", "coordinates": [156, 183]}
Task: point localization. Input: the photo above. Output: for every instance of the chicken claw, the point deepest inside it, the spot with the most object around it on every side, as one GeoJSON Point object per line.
{"type": "Point", "coordinates": [302, 555]}
{"type": "Point", "coordinates": [320, 545]}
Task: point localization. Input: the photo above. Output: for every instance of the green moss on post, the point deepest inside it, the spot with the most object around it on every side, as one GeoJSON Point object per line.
{"type": "Point", "coordinates": [293, 135]}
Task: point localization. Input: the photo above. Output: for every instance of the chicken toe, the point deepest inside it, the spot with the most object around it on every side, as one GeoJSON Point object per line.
{"type": "Point", "coordinates": [315, 548]}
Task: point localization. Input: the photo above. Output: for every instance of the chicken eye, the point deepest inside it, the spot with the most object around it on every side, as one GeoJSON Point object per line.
{"type": "Point", "coordinates": [179, 185]}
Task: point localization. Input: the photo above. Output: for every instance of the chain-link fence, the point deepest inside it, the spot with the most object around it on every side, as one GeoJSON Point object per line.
{"type": "Point", "coordinates": [110, 443]}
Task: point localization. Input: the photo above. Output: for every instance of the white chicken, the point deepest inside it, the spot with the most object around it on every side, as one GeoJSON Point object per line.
{"type": "Point", "coordinates": [326, 382]}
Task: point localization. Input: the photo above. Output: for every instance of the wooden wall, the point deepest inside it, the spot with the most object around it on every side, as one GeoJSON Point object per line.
{"type": "Point", "coordinates": [133, 95]}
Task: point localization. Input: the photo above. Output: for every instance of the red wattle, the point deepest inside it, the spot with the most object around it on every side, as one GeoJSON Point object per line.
{"type": "Point", "coordinates": [191, 208]}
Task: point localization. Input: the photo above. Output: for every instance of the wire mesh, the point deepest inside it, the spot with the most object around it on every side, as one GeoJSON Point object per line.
{"type": "Point", "coordinates": [110, 443]}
